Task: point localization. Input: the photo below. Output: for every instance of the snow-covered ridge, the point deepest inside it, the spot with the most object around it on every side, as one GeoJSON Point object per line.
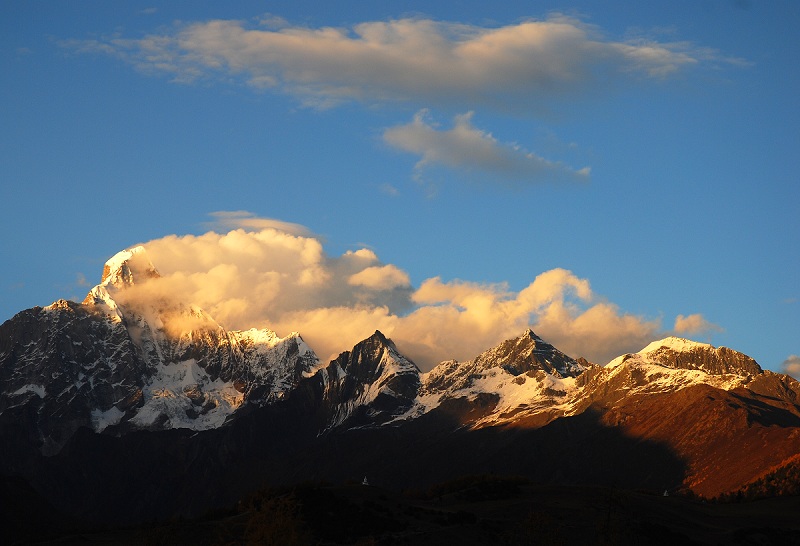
{"type": "Point", "coordinates": [677, 344]}
{"type": "Point", "coordinates": [644, 375]}
{"type": "Point", "coordinates": [263, 339]}
{"type": "Point", "coordinates": [513, 396]}
{"type": "Point", "coordinates": [127, 267]}
{"type": "Point", "coordinates": [198, 374]}
{"type": "Point", "coordinates": [675, 352]}
{"type": "Point", "coordinates": [554, 385]}
{"type": "Point", "coordinates": [521, 375]}
{"type": "Point", "coordinates": [58, 305]}
{"type": "Point", "coordinates": [137, 363]}
{"type": "Point", "coordinates": [272, 365]}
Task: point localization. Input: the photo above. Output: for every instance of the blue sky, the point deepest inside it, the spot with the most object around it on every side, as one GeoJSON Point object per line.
{"type": "Point", "coordinates": [636, 162]}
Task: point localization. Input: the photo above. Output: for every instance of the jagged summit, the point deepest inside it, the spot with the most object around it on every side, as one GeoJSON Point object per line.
{"type": "Point", "coordinates": [377, 349]}
{"type": "Point", "coordinates": [128, 267]}
{"type": "Point", "coordinates": [377, 339]}
{"type": "Point", "coordinates": [127, 359]}
{"type": "Point", "coordinates": [520, 376]}
{"type": "Point", "coordinates": [676, 352]}
{"type": "Point", "coordinates": [131, 267]}
{"type": "Point", "coordinates": [529, 352]}
{"type": "Point", "coordinates": [369, 384]}
{"type": "Point", "coordinates": [529, 333]}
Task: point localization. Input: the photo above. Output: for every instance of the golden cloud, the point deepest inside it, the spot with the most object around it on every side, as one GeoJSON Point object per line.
{"type": "Point", "coordinates": [287, 282]}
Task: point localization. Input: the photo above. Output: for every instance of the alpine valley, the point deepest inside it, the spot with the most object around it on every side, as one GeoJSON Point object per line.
{"type": "Point", "coordinates": [121, 410]}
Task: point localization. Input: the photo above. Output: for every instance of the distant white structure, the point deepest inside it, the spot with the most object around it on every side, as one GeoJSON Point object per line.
{"type": "Point", "coordinates": [365, 482]}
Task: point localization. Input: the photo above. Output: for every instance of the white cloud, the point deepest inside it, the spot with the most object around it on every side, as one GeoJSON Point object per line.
{"type": "Point", "coordinates": [791, 366]}
{"type": "Point", "coordinates": [242, 219]}
{"type": "Point", "coordinates": [513, 67]}
{"type": "Point", "coordinates": [695, 324]}
{"type": "Point", "coordinates": [460, 319]}
{"type": "Point", "coordinates": [470, 149]}
{"type": "Point", "coordinates": [245, 278]}
{"type": "Point", "coordinates": [384, 277]}
{"type": "Point", "coordinates": [287, 282]}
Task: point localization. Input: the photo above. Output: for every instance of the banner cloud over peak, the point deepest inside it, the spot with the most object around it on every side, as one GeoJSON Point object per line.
{"type": "Point", "coordinates": [275, 279]}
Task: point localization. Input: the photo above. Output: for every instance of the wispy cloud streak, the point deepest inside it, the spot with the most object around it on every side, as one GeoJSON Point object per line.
{"type": "Point", "coordinates": [513, 67]}
{"type": "Point", "coordinates": [469, 149]}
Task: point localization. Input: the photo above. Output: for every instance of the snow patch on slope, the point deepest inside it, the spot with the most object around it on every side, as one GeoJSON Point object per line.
{"type": "Point", "coordinates": [271, 360]}
{"type": "Point", "coordinates": [38, 390]}
{"type": "Point", "coordinates": [101, 420]}
{"type": "Point", "coordinates": [517, 395]}
{"type": "Point", "coordinates": [185, 396]}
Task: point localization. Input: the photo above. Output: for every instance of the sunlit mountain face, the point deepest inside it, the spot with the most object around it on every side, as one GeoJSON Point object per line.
{"type": "Point", "coordinates": [132, 394]}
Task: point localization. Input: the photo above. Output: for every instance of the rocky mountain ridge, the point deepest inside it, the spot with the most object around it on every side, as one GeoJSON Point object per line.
{"type": "Point", "coordinates": [115, 364]}
{"type": "Point", "coordinates": [115, 375]}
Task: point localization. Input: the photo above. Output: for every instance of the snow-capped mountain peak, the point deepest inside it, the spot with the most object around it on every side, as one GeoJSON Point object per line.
{"type": "Point", "coordinates": [370, 384]}
{"type": "Point", "coordinates": [123, 270]}
{"type": "Point", "coordinates": [529, 333]}
{"type": "Point", "coordinates": [677, 344]}
{"type": "Point", "coordinates": [141, 361]}
{"type": "Point", "coordinates": [679, 353]}
{"type": "Point", "coordinates": [529, 352]}
{"type": "Point", "coordinates": [520, 376]}
{"type": "Point", "coordinates": [670, 365]}
{"type": "Point", "coordinates": [128, 267]}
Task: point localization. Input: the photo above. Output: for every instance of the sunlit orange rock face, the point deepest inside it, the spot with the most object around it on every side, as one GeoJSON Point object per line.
{"type": "Point", "coordinates": [725, 438]}
{"type": "Point", "coordinates": [725, 419]}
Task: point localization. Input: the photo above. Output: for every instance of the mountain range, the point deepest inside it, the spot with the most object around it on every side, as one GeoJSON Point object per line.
{"type": "Point", "coordinates": [130, 407]}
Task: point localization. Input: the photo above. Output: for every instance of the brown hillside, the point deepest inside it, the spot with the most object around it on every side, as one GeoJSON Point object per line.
{"type": "Point", "coordinates": [726, 438]}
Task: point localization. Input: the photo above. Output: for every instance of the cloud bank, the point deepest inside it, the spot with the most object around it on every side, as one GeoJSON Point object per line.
{"type": "Point", "coordinates": [266, 277]}
{"type": "Point", "coordinates": [469, 149]}
{"type": "Point", "coordinates": [512, 67]}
